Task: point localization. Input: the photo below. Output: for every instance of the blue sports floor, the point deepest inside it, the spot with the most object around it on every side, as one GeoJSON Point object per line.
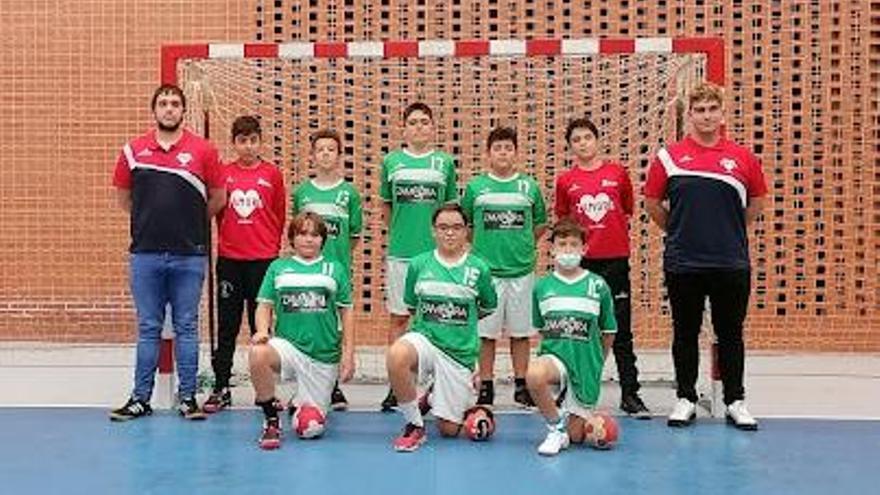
{"type": "Point", "coordinates": [70, 451]}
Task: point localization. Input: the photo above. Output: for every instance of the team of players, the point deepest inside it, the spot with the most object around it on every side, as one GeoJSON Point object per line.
{"type": "Point", "coordinates": [460, 273]}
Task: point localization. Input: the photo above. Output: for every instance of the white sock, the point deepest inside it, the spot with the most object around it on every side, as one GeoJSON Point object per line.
{"type": "Point", "coordinates": [411, 412]}
{"type": "Point", "coordinates": [561, 422]}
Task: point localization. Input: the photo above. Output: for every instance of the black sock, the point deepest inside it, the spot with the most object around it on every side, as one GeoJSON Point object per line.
{"type": "Point", "coordinates": [488, 385]}
{"type": "Point", "coordinates": [519, 382]}
{"type": "Point", "coordinates": [269, 407]}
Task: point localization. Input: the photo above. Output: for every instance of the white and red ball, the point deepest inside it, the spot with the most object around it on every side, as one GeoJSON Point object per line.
{"type": "Point", "coordinates": [601, 431]}
{"type": "Point", "coordinates": [479, 424]}
{"type": "Point", "coordinates": [308, 421]}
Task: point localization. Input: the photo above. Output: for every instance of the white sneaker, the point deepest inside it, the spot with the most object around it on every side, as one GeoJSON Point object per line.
{"type": "Point", "coordinates": [739, 416]}
{"type": "Point", "coordinates": [556, 440]}
{"type": "Point", "coordinates": [683, 414]}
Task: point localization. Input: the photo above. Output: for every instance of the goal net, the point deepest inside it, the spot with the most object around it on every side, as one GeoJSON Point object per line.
{"type": "Point", "coordinates": [632, 89]}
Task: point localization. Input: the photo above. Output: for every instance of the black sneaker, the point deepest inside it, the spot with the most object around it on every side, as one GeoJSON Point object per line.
{"type": "Point", "coordinates": [390, 402]}
{"type": "Point", "coordinates": [632, 405]}
{"type": "Point", "coordinates": [486, 397]}
{"type": "Point", "coordinates": [338, 402]}
{"type": "Point", "coordinates": [523, 398]}
{"type": "Point", "coordinates": [189, 409]}
{"type": "Point", "coordinates": [218, 401]}
{"type": "Point", "coordinates": [133, 409]}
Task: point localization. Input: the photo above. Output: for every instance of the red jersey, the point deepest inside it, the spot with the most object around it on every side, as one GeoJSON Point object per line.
{"type": "Point", "coordinates": [601, 201]}
{"type": "Point", "coordinates": [708, 189]}
{"type": "Point", "coordinates": [252, 222]}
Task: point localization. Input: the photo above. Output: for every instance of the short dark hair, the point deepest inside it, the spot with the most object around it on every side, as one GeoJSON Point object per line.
{"type": "Point", "coordinates": [449, 207]}
{"type": "Point", "coordinates": [326, 134]}
{"type": "Point", "coordinates": [166, 89]}
{"type": "Point", "coordinates": [300, 222]}
{"type": "Point", "coordinates": [501, 134]}
{"type": "Point", "coordinates": [580, 123]}
{"type": "Point", "coordinates": [245, 126]}
{"type": "Point", "coordinates": [567, 228]}
{"type": "Point", "coordinates": [417, 107]}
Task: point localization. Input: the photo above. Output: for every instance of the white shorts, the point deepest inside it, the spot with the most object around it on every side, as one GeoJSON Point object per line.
{"type": "Point", "coordinates": [453, 389]}
{"type": "Point", "coordinates": [514, 311]}
{"type": "Point", "coordinates": [314, 379]}
{"type": "Point", "coordinates": [570, 402]}
{"type": "Point", "coordinates": [395, 284]}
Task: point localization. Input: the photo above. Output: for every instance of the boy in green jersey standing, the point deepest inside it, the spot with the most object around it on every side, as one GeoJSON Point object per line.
{"type": "Point", "coordinates": [338, 203]}
{"type": "Point", "coordinates": [508, 215]}
{"type": "Point", "coordinates": [415, 181]}
{"type": "Point", "coordinates": [574, 310]}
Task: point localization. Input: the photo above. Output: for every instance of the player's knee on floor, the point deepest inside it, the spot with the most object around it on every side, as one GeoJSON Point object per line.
{"type": "Point", "coordinates": [576, 430]}
{"type": "Point", "coordinates": [479, 423]}
{"type": "Point", "coordinates": [448, 428]}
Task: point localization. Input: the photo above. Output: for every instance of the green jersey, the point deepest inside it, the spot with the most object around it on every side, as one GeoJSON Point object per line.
{"type": "Point", "coordinates": [415, 185]}
{"type": "Point", "coordinates": [340, 207]}
{"type": "Point", "coordinates": [447, 300]}
{"type": "Point", "coordinates": [306, 296]}
{"type": "Point", "coordinates": [505, 213]}
{"type": "Point", "coordinates": [572, 315]}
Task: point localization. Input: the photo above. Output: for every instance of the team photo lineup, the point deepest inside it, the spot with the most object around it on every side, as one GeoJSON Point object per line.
{"type": "Point", "coordinates": [461, 273]}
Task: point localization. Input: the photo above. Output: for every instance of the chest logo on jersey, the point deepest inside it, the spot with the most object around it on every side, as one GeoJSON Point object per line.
{"type": "Point", "coordinates": [567, 327]}
{"type": "Point", "coordinates": [307, 301]}
{"type": "Point", "coordinates": [447, 313]}
{"type": "Point", "coordinates": [416, 193]}
{"type": "Point", "coordinates": [184, 158]}
{"type": "Point", "coordinates": [332, 227]}
{"type": "Point", "coordinates": [595, 207]}
{"type": "Point", "coordinates": [609, 183]}
{"type": "Point", "coordinates": [504, 219]}
{"type": "Point", "coordinates": [245, 202]}
{"type": "Point", "coordinates": [728, 164]}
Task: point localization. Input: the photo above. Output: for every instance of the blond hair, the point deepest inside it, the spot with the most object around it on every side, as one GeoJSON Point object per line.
{"type": "Point", "coordinates": [706, 92]}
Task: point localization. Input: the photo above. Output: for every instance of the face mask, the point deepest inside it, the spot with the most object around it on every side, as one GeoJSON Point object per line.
{"type": "Point", "coordinates": [568, 260]}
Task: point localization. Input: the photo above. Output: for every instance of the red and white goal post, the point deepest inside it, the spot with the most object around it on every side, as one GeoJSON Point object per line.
{"type": "Point", "coordinates": [633, 89]}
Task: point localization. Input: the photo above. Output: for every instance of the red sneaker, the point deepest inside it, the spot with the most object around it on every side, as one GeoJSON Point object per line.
{"type": "Point", "coordinates": [411, 439]}
{"type": "Point", "coordinates": [271, 437]}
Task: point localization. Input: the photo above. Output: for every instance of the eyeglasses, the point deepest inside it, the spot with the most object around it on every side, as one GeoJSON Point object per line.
{"type": "Point", "coordinates": [454, 228]}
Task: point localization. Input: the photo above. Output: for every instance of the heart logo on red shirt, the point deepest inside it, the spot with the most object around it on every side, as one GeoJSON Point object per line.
{"type": "Point", "coordinates": [595, 207]}
{"type": "Point", "coordinates": [245, 202]}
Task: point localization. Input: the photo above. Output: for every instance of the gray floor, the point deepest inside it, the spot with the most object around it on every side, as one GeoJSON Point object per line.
{"type": "Point", "coordinates": [785, 385]}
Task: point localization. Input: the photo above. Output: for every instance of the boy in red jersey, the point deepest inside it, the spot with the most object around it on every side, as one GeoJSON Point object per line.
{"type": "Point", "coordinates": [249, 238]}
{"type": "Point", "coordinates": [598, 195]}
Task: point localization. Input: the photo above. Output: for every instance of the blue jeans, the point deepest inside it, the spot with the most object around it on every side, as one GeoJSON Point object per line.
{"type": "Point", "coordinates": [158, 279]}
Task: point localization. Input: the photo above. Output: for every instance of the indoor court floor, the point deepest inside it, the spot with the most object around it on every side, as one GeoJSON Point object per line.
{"type": "Point", "coordinates": [77, 450]}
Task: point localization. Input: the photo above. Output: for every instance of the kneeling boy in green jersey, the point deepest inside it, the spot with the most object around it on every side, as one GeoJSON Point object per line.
{"type": "Point", "coordinates": [574, 312]}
